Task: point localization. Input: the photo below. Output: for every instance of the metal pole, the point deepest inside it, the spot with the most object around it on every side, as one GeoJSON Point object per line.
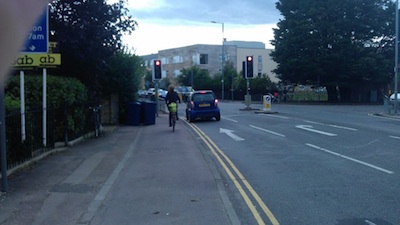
{"type": "Point", "coordinates": [191, 77]}
{"type": "Point", "coordinates": [22, 96]}
{"type": "Point", "coordinates": [156, 98]}
{"type": "Point", "coordinates": [3, 150]}
{"type": "Point", "coordinates": [223, 60]}
{"type": "Point", "coordinates": [44, 99]}
{"type": "Point", "coordinates": [396, 63]}
{"type": "Point", "coordinates": [232, 88]}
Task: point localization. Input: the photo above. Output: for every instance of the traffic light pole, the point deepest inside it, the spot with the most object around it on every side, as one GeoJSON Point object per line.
{"type": "Point", "coordinates": [248, 70]}
{"type": "Point", "coordinates": [3, 150]}
{"type": "Point", "coordinates": [156, 97]}
{"type": "Point", "coordinates": [247, 86]}
{"type": "Point", "coordinates": [157, 75]}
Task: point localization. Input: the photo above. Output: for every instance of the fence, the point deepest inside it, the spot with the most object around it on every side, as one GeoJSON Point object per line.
{"type": "Point", "coordinates": [20, 149]}
{"type": "Point", "coordinates": [64, 124]}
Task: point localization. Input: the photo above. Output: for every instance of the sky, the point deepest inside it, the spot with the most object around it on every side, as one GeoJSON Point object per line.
{"type": "Point", "coordinates": [166, 24]}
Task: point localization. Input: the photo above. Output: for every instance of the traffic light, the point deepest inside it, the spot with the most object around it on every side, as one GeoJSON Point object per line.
{"type": "Point", "coordinates": [244, 69]}
{"type": "Point", "coordinates": [157, 69]}
{"type": "Point", "coordinates": [249, 66]}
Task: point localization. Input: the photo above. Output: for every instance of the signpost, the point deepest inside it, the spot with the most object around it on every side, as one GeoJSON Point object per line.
{"type": "Point", "coordinates": [37, 42]}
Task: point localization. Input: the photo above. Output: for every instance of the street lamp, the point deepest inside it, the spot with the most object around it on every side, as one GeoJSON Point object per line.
{"type": "Point", "coordinates": [396, 63]}
{"type": "Point", "coordinates": [222, 58]}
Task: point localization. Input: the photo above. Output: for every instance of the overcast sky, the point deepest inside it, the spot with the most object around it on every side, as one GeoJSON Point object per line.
{"type": "Point", "coordinates": [165, 24]}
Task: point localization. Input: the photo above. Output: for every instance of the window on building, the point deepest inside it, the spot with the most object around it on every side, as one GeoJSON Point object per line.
{"type": "Point", "coordinates": [196, 58]}
{"type": "Point", "coordinates": [177, 73]}
{"type": "Point", "coordinates": [203, 58]}
{"type": "Point", "coordinates": [177, 59]}
{"type": "Point", "coordinates": [259, 65]}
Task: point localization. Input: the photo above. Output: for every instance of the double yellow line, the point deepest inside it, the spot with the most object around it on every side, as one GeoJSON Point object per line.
{"type": "Point", "coordinates": [225, 161]}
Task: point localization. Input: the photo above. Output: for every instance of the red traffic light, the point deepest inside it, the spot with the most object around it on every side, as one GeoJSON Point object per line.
{"type": "Point", "coordinates": [249, 58]}
{"type": "Point", "coordinates": [157, 74]}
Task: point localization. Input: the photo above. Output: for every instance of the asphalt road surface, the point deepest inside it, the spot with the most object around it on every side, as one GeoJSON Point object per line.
{"type": "Point", "coordinates": [308, 164]}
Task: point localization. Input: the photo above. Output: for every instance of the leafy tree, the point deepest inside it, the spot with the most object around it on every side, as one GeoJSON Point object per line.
{"type": "Point", "coordinates": [201, 78]}
{"type": "Point", "coordinates": [124, 76]}
{"type": "Point", "coordinates": [259, 85]}
{"type": "Point", "coordinates": [88, 33]}
{"type": "Point", "coordinates": [335, 43]}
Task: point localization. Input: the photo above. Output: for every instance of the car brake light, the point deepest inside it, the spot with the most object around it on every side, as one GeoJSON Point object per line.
{"type": "Point", "coordinates": [191, 104]}
{"type": "Point", "coordinates": [216, 102]}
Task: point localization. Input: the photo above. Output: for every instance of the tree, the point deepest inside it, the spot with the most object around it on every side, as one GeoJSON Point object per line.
{"type": "Point", "coordinates": [124, 76]}
{"type": "Point", "coordinates": [88, 33]}
{"type": "Point", "coordinates": [201, 78]}
{"type": "Point", "coordinates": [335, 43]}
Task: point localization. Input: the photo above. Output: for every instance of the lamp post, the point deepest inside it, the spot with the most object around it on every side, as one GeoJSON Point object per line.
{"type": "Point", "coordinates": [396, 63]}
{"type": "Point", "coordinates": [222, 58]}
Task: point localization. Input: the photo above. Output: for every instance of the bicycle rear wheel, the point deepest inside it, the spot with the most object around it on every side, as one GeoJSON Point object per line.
{"type": "Point", "coordinates": [173, 121]}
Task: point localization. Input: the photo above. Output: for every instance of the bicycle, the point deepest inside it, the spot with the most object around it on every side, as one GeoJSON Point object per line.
{"type": "Point", "coordinates": [172, 111]}
{"type": "Point", "coordinates": [98, 128]}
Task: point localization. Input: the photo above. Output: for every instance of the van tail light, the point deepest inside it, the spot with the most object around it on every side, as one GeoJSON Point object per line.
{"type": "Point", "coordinates": [216, 102]}
{"type": "Point", "coordinates": [191, 104]}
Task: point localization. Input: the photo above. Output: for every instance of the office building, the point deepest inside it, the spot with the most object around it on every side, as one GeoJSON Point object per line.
{"type": "Point", "coordinates": [209, 57]}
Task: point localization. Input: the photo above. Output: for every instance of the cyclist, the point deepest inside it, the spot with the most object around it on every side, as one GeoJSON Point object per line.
{"type": "Point", "coordinates": [172, 96]}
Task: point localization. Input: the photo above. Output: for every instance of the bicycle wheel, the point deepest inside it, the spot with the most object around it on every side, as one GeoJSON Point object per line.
{"type": "Point", "coordinates": [173, 121]}
{"type": "Point", "coordinates": [96, 126]}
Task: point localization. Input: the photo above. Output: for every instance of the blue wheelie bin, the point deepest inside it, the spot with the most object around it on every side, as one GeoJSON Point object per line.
{"type": "Point", "coordinates": [149, 112]}
{"type": "Point", "coordinates": [134, 113]}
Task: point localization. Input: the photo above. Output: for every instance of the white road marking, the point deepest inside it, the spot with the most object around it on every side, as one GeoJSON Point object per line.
{"type": "Point", "coordinates": [229, 119]}
{"type": "Point", "coordinates": [331, 125]}
{"type": "Point", "coordinates": [310, 128]}
{"type": "Point", "coordinates": [369, 222]}
{"type": "Point", "coordinates": [271, 115]}
{"type": "Point", "coordinates": [268, 131]}
{"type": "Point", "coordinates": [341, 127]}
{"type": "Point", "coordinates": [231, 134]}
{"type": "Point", "coordinates": [395, 137]}
{"type": "Point", "coordinates": [351, 159]}
{"type": "Point", "coordinates": [313, 122]}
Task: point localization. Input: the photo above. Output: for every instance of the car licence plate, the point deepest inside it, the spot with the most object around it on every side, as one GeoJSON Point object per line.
{"type": "Point", "coordinates": [204, 105]}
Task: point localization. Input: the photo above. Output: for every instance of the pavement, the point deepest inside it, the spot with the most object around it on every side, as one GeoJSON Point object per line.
{"type": "Point", "coordinates": [129, 175]}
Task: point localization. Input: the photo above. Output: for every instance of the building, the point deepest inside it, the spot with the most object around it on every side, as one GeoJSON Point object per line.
{"type": "Point", "coordinates": [210, 57]}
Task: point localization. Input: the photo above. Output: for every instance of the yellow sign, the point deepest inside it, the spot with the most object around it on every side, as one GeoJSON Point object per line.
{"type": "Point", "coordinates": [37, 60]}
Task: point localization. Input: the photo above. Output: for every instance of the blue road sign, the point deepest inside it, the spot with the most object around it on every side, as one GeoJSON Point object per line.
{"type": "Point", "coordinates": [38, 37]}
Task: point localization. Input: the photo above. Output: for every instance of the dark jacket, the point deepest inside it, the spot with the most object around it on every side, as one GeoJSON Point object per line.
{"type": "Point", "coordinates": [172, 96]}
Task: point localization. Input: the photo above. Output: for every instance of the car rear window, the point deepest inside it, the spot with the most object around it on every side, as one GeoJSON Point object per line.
{"type": "Point", "coordinates": [206, 97]}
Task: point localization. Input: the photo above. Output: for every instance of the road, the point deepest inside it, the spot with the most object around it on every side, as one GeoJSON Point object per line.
{"type": "Point", "coordinates": [308, 164]}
